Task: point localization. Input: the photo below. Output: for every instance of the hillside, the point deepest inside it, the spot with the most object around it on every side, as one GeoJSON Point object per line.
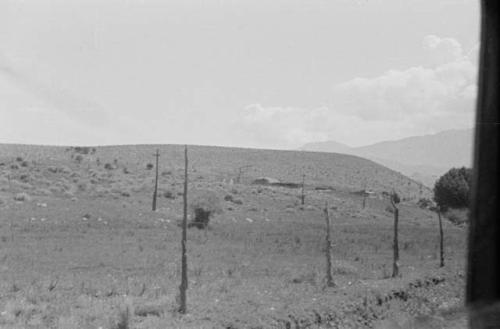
{"type": "Point", "coordinates": [81, 247]}
{"type": "Point", "coordinates": [343, 172]}
{"type": "Point", "coordinates": [423, 157]}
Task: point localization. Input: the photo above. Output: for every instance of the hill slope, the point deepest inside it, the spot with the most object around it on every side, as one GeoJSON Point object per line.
{"type": "Point", "coordinates": [343, 172]}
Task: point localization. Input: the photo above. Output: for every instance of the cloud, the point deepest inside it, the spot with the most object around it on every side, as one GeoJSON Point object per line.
{"type": "Point", "coordinates": [290, 127]}
{"type": "Point", "coordinates": [399, 103]}
{"type": "Point", "coordinates": [442, 50]}
{"type": "Point", "coordinates": [401, 95]}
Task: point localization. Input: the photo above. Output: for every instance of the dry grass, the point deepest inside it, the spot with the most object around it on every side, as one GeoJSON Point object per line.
{"type": "Point", "coordinates": [94, 256]}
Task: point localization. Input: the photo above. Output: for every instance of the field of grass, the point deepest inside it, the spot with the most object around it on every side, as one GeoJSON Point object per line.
{"type": "Point", "coordinates": [81, 248]}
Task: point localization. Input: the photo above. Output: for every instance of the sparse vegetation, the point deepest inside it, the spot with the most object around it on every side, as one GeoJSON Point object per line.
{"type": "Point", "coordinates": [258, 265]}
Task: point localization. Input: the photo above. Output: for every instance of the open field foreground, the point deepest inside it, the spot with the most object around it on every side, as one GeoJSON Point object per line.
{"type": "Point", "coordinates": [81, 248]}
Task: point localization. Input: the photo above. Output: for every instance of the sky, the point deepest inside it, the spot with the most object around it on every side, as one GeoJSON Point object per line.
{"type": "Point", "coordinates": [248, 73]}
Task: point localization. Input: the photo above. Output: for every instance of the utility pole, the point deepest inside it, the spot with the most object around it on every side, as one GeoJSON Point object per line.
{"type": "Point", "coordinates": [155, 193]}
{"type": "Point", "coordinates": [184, 281]}
{"type": "Point", "coordinates": [302, 196]}
{"type": "Point", "coordinates": [329, 277]}
{"type": "Point", "coordinates": [240, 172]}
{"type": "Point", "coordinates": [395, 262]}
{"type": "Point", "coordinates": [365, 194]}
{"type": "Point", "coordinates": [441, 243]}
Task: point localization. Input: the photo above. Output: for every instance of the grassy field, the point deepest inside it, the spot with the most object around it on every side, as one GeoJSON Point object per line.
{"type": "Point", "coordinates": [81, 248]}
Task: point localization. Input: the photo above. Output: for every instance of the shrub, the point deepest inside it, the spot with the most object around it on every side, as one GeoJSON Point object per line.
{"type": "Point", "coordinates": [169, 195]}
{"type": "Point", "coordinates": [19, 159]}
{"type": "Point", "coordinates": [82, 150]}
{"type": "Point", "coordinates": [22, 197]}
{"type": "Point", "coordinates": [457, 216]}
{"type": "Point", "coordinates": [424, 203]}
{"type": "Point", "coordinates": [395, 197]}
{"type": "Point", "coordinates": [24, 178]}
{"type": "Point", "coordinates": [108, 166]}
{"type": "Point", "coordinates": [149, 166]}
{"type": "Point", "coordinates": [78, 158]}
{"type": "Point", "coordinates": [24, 163]}
{"type": "Point", "coordinates": [453, 188]}
{"type": "Point", "coordinates": [82, 186]}
{"type": "Point", "coordinates": [53, 170]}
{"type": "Point", "coordinates": [204, 205]}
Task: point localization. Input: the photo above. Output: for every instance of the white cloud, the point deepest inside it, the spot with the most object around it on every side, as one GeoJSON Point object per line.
{"type": "Point", "coordinates": [442, 50]}
{"type": "Point", "coordinates": [290, 127]}
{"type": "Point", "coordinates": [399, 103]}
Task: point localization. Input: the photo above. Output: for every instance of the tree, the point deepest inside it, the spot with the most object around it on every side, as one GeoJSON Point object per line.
{"type": "Point", "coordinates": [204, 205]}
{"type": "Point", "coordinates": [452, 189]}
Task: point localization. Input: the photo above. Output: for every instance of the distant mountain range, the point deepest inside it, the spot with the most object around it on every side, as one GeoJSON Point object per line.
{"type": "Point", "coordinates": [423, 158]}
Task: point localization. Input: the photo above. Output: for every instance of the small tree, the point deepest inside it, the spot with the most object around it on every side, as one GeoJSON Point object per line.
{"type": "Point", "coordinates": [452, 189]}
{"type": "Point", "coordinates": [205, 204]}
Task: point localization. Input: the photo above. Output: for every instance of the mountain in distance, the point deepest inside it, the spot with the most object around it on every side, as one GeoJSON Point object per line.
{"type": "Point", "coordinates": [423, 158]}
{"type": "Point", "coordinates": [328, 146]}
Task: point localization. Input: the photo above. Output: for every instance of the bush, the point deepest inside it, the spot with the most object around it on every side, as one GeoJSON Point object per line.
{"type": "Point", "coordinates": [457, 216]}
{"type": "Point", "coordinates": [82, 150]}
{"type": "Point", "coordinates": [395, 197]}
{"type": "Point", "coordinates": [22, 197]}
{"type": "Point", "coordinates": [204, 205]}
{"type": "Point", "coordinates": [453, 188]}
{"type": "Point", "coordinates": [82, 186]}
{"type": "Point", "coordinates": [169, 195]}
{"type": "Point", "coordinates": [424, 203]}
{"type": "Point", "coordinates": [149, 166]}
{"type": "Point", "coordinates": [108, 166]}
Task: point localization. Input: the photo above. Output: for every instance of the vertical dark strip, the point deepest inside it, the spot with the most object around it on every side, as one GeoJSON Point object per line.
{"type": "Point", "coordinates": [155, 193]}
{"type": "Point", "coordinates": [483, 270]}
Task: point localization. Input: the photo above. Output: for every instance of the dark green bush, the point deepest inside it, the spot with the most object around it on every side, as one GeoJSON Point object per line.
{"type": "Point", "coordinates": [453, 188]}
